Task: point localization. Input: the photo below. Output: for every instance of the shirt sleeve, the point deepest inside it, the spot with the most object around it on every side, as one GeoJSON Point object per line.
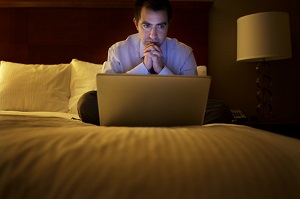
{"type": "Point", "coordinates": [139, 70]}
{"type": "Point", "coordinates": [190, 66]}
{"type": "Point", "coordinates": [165, 71]}
{"type": "Point", "coordinates": [114, 64]}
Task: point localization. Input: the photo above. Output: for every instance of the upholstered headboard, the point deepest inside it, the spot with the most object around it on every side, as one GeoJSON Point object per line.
{"type": "Point", "coordinates": [55, 31]}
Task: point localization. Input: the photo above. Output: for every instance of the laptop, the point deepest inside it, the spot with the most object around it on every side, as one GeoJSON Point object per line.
{"type": "Point", "coordinates": [151, 100]}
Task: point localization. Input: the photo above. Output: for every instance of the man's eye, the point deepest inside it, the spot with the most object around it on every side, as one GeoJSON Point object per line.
{"type": "Point", "coordinates": [146, 26]}
{"type": "Point", "coordinates": [161, 27]}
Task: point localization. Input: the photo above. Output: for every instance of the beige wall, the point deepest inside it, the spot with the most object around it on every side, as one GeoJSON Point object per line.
{"type": "Point", "coordinates": [235, 82]}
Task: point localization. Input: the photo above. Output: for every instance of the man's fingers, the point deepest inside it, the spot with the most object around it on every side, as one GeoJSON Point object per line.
{"type": "Point", "coordinates": [152, 48]}
{"type": "Point", "coordinates": [147, 61]}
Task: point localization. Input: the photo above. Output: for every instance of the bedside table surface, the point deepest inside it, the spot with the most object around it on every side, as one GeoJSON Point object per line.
{"type": "Point", "coordinates": [284, 127]}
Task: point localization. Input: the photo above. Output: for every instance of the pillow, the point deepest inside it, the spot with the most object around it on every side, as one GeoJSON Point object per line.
{"type": "Point", "coordinates": [34, 87]}
{"type": "Point", "coordinates": [83, 79]}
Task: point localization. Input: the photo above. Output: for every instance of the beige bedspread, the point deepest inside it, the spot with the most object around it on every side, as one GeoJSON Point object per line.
{"type": "Point", "coordinates": [52, 157]}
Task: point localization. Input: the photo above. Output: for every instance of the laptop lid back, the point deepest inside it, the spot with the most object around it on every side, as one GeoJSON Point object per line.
{"type": "Point", "coordinates": [151, 100]}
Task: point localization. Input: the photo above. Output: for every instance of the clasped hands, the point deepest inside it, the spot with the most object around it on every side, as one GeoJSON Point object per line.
{"type": "Point", "coordinates": [153, 57]}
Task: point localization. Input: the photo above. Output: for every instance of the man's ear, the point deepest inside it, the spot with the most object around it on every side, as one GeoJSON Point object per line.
{"type": "Point", "coordinates": [135, 23]}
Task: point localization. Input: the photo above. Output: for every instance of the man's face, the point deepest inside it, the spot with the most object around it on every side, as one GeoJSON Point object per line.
{"type": "Point", "coordinates": [152, 26]}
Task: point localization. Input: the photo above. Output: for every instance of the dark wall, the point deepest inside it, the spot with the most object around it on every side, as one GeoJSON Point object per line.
{"type": "Point", "coordinates": [43, 32]}
{"type": "Point", "coordinates": [235, 82]}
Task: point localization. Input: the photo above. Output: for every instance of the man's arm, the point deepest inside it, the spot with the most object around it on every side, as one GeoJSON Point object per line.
{"type": "Point", "coordinates": [153, 58]}
{"type": "Point", "coordinates": [114, 64]}
{"type": "Point", "coordinates": [190, 66]}
{"type": "Point", "coordinates": [139, 69]}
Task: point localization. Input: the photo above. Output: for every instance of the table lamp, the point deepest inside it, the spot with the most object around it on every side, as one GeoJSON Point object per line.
{"type": "Point", "coordinates": [263, 37]}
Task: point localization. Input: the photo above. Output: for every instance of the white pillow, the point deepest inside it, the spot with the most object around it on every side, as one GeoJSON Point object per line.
{"type": "Point", "coordinates": [83, 79]}
{"type": "Point", "coordinates": [34, 87]}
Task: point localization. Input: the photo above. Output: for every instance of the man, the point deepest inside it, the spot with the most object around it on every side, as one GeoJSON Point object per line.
{"type": "Point", "coordinates": [149, 51]}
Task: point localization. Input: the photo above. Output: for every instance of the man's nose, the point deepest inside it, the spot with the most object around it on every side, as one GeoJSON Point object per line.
{"type": "Point", "coordinates": [153, 33]}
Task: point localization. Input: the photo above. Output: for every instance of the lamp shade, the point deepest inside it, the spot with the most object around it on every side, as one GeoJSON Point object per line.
{"type": "Point", "coordinates": [263, 36]}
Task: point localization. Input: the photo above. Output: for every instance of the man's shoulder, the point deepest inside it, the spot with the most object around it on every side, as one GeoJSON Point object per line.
{"type": "Point", "coordinates": [131, 40]}
{"type": "Point", "coordinates": [173, 43]}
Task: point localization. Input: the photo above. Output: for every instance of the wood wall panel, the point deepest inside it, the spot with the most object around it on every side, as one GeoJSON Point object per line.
{"type": "Point", "coordinates": [196, 4]}
{"type": "Point", "coordinates": [58, 34]}
{"type": "Point", "coordinates": [69, 3]}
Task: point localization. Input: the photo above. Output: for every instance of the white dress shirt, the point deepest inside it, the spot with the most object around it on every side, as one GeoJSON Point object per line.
{"type": "Point", "coordinates": [127, 57]}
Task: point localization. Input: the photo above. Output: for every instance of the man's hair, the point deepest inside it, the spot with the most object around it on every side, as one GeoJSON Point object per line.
{"type": "Point", "coordinates": [155, 5]}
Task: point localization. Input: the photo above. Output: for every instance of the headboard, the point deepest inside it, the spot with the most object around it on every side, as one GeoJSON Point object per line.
{"type": "Point", "coordinates": [55, 31]}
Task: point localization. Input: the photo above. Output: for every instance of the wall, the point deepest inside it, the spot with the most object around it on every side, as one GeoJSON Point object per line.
{"type": "Point", "coordinates": [52, 32]}
{"type": "Point", "coordinates": [235, 82]}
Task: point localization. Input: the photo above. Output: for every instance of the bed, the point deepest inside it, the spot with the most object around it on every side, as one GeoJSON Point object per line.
{"type": "Point", "coordinates": [47, 152]}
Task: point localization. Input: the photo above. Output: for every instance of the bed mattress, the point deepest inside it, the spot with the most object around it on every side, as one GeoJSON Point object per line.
{"type": "Point", "coordinates": [57, 157]}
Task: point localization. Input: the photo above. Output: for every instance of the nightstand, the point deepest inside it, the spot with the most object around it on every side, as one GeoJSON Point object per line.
{"type": "Point", "coordinates": [283, 127]}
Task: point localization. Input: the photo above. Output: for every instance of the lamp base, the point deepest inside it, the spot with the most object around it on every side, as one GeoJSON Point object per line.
{"type": "Point", "coordinates": [264, 93]}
